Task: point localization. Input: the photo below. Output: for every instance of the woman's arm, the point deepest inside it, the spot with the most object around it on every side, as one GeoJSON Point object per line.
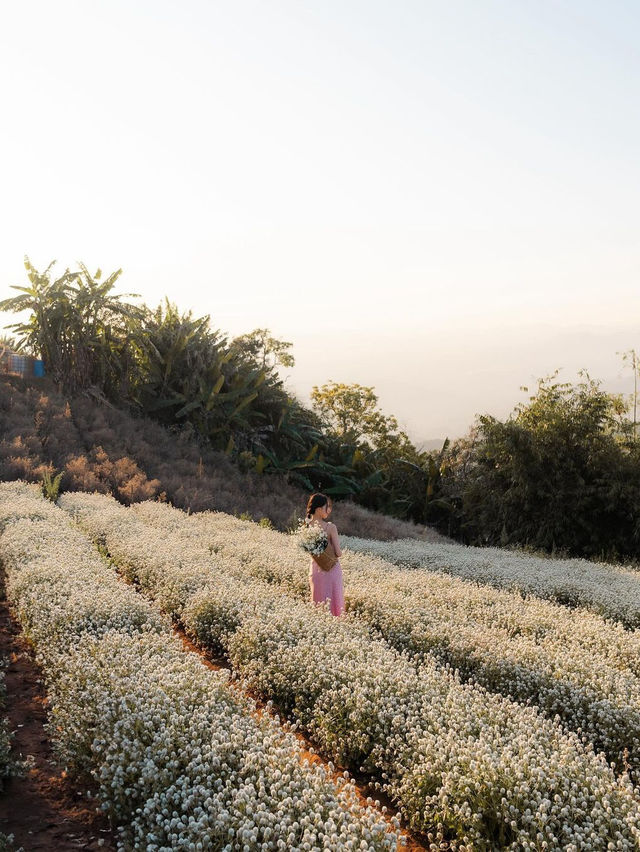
{"type": "Point", "coordinates": [333, 535]}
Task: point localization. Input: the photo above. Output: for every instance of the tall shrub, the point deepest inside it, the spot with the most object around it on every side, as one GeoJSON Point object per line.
{"type": "Point", "coordinates": [557, 475]}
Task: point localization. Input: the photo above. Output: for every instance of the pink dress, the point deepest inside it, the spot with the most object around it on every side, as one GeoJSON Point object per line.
{"type": "Point", "coordinates": [327, 586]}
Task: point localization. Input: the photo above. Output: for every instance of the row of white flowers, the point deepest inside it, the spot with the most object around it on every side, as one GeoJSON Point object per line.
{"type": "Point", "coordinates": [609, 590]}
{"type": "Point", "coordinates": [570, 662]}
{"type": "Point", "coordinates": [181, 761]}
{"type": "Point", "coordinates": [8, 765]}
{"type": "Point", "coordinates": [459, 761]}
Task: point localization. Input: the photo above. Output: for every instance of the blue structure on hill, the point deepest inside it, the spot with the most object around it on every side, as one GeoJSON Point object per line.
{"type": "Point", "coordinates": [12, 363]}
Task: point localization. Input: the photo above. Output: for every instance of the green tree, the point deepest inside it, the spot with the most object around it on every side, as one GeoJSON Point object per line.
{"type": "Point", "coordinates": [351, 412]}
{"type": "Point", "coordinates": [554, 476]}
{"type": "Point", "coordinates": [44, 330]}
{"type": "Point", "coordinates": [267, 351]}
{"type": "Point", "coordinates": [369, 447]}
{"type": "Point", "coordinates": [422, 488]}
{"type": "Point", "coordinates": [189, 374]}
{"type": "Point", "coordinates": [76, 323]}
{"type": "Point", "coordinates": [631, 357]}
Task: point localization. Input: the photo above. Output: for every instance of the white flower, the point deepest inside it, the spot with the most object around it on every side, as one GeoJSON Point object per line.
{"type": "Point", "coordinates": [311, 538]}
{"type": "Point", "coordinates": [180, 759]}
{"type": "Point", "coordinates": [397, 712]}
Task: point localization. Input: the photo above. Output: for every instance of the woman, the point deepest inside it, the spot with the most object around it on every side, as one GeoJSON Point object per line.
{"type": "Point", "coordinates": [325, 585]}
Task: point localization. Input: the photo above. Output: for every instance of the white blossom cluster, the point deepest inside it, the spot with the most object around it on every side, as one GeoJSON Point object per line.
{"type": "Point", "coordinates": [569, 662]}
{"type": "Point", "coordinates": [59, 586]}
{"type": "Point", "coordinates": [465, 764]}
{"type": "Point", "coordinates": [311, 538]}
{"type": "Point", "coordinates": [609, 590]}
{"type": "Point", "coordinates": [180, 760]}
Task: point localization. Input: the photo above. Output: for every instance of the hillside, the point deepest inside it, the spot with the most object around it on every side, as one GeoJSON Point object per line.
{"type": "Point", "coordinates": [102, 448]}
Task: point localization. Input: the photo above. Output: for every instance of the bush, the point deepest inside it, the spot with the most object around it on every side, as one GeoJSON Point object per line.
{"type": "Point", "coordinates": [557, 475]}
{"type": "Point", "coordinates": [51, 485]}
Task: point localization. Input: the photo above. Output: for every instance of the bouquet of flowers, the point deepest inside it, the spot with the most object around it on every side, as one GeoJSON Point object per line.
{"type": "Point", "coordinates": [314, 540]}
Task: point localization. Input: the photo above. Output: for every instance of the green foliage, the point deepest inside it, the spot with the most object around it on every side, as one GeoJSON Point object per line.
{"type": "Point", "coordinates": [631, 358]}
{"type": "Point", "coordinates": [175, 368]}
{"type": "Point", "coordinates": [267, 351]}
{"type": "Point", "coordinates": [77, 325]}
{"type": "Point", "coordinates": [51, 485]}
{"type": "Point", "coordinates": [187, 373]}
{"type": "Point", "coordinates": [424, 486]}
{"type": "Point", "coordinates": [351, 412]}
{"type": "Point", "coordinates": [10, 344]}
{"type": "Point", "coordinates": [563, 472]}
{"type": "Point", "coordinates": [180, 366]}
{"type": "Point", "coordinates": [556, 475]}
{"type": "Point", "coordinates": [365, 447]}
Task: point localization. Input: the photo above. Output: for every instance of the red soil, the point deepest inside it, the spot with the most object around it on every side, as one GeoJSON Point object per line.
{"type": "Point", "coordinates": [43, 809]}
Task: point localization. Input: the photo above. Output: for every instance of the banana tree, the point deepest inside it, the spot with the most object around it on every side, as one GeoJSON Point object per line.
{"type": "Point", "coordinates": [44, 331]}
{"type": "Point", "coordinates": [76, 324]}
{"type": "Point", "coordinates": [429, 473]}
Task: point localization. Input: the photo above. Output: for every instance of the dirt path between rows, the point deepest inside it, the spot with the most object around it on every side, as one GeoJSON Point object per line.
{"type": "Point", "coordinates": [42, 809]}
{"type": "Point", "coordinates": [412, 841]}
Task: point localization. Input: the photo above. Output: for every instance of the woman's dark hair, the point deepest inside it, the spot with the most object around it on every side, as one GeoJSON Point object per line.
{"type": "Point", "coordinates": [315, 502]}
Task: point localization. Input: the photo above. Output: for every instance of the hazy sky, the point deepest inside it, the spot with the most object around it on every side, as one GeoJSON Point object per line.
{"type": "Point", "coordinates": [440, 199]}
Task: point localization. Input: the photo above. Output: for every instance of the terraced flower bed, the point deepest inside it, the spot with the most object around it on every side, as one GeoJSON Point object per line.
{"type": "Point", "coordinates": [461, 762]}
{"type": "Point", "coordinates": [176, 759]}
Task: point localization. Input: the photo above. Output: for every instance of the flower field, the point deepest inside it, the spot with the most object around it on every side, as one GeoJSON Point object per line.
{"type": "Point", "coordinates": [609, 590]}
{"type": "Point", "coordinates": [179, 760]}
{"type": "Point", "coordinates": [461, 761]}
{"type": "Point", "coordinates": [569, 662]}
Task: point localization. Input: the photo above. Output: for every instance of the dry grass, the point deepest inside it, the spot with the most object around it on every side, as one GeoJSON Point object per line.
{"type": "Point", "coordinates": [101, 448]}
